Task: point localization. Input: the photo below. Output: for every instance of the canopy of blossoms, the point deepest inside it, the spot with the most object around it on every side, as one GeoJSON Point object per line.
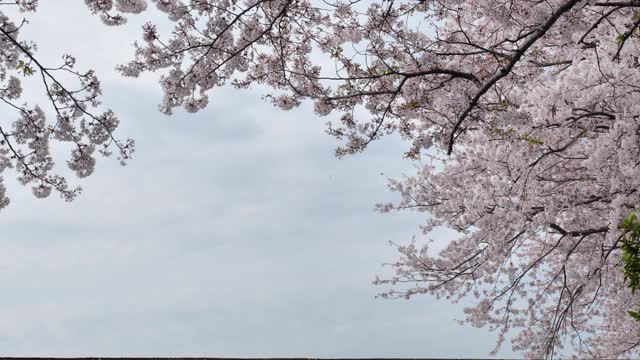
{"type": "Point", "coordinates": [523, 117]}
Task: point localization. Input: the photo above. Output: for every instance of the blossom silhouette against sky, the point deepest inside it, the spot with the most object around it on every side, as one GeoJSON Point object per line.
{"type": "Point", "coordinates": [233, 232]}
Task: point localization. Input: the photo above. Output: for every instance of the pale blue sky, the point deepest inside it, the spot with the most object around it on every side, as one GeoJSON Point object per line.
{"type": "Point", "coordinates": [233, 232]}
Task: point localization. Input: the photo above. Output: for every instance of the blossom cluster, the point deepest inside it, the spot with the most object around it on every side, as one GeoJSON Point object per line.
{"type": "Point", "coordinates": [527, 112]}
{"type": "Point", "coordinates": [523, 117]}
{"type": "Point", "coordinates": [69, 116]}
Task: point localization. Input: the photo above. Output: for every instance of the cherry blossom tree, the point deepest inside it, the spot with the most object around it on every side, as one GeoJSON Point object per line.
{"type": "Point", "coordinates": [73, 98]}
{"type": "Point", "coordinates": [523, 118]}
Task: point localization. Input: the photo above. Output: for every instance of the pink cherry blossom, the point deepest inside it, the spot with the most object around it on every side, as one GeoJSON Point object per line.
{"type": "Point", "coordinates": [523, 117]}
{"type": "Point", "coordinates": [71, 114]}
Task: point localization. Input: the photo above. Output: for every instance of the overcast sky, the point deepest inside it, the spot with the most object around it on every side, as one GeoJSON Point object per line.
{"type": "Point", "coordinates": [234, 232]}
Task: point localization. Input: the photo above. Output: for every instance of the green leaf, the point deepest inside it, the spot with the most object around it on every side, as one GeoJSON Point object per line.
{"type": "Point", "coordinates": [630, 256]}
{"type": "Point", "coordinates": [533, 140]}
{"type": "Point", "coordinates": [634, 314]}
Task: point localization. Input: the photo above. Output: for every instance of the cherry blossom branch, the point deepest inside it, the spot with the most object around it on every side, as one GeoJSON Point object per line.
{"type": "Point", "coordinates": [504, 71]}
